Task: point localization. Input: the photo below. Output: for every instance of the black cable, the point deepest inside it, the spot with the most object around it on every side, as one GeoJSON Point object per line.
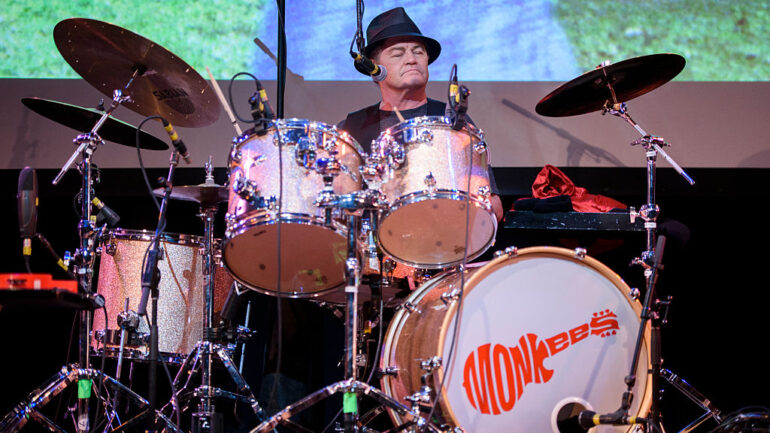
{"type": "Point", "coordinates": [141, 162]}
{"type": "Point", "coordinates": [458, 312]}
{"type": "Point", "coordinates": [257, 85]}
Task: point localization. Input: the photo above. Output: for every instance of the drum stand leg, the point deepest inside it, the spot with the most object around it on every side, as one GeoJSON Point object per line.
{"type": "Point", "coordinates": [350, 388]}
{"type": "Point", "coordinates": [30, 407]}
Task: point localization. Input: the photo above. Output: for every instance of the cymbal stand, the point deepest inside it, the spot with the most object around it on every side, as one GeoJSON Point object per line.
{"type": "Point", "coordinates": [650, 260]}
{"type": "Point", "coordinates": [206, 419]}
{"type": "Point", "coordinates": [84, 257]}
{"type": "Point", "coordinates": [350, 387]}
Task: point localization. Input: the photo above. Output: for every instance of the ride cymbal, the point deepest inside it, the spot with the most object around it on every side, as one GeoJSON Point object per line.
{"type": "Point", "coordinates": [108, 56]}
{"type": "Point", "coordinates": [626, 79]}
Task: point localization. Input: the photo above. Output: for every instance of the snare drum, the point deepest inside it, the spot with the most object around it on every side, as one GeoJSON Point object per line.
{"type": "Point", "coordinates": [181, 300]}
{"type": "Point", "coordinates": [312, 249]}
{"type": "Point", "coordinates": [431, 174]}
{"type": "Point", "coordinates": [544, 333]}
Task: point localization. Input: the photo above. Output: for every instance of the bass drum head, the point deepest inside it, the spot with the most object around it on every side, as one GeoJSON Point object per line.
{"type": "Point", "coordinates": [543, 334]}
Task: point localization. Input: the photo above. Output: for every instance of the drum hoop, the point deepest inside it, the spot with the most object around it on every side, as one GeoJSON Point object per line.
{"type": "Point", "coordinates": [478, 274]}
{"type": "Point", "coordinates": [432, 121]}
{"type": "Point", "coordinates": [296, 123]}
{"type": "Point", "coordinates": [147, 235]}
{"type": "Point", "coordinates": [265, 218]}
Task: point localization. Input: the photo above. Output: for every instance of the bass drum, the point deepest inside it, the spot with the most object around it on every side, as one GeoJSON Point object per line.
{"type": "Point", "coordinates": [544, 333]}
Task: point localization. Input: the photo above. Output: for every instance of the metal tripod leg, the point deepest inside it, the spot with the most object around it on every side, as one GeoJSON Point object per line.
{"type": "Point", "coordinates": [345, 386]}
{"type": "Point", "coordinates": [30, 406]}
{"type": "Point", "coordinates": [696, 397]}
{"type": "Point", "coordinates": [191, 364]}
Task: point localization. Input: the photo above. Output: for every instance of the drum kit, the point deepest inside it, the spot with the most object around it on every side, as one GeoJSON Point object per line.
{"type": "Point", "coordinates": [534, 340]}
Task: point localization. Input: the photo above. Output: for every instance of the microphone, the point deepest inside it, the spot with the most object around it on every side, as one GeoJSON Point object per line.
{"type": "Point", "coordinates": [365, 66]}
{"type": "Point", "coordinates": [27, 207]}
{"type": "Point", "coordinates": [105, 213]}
{"type": "Point", "coordinates": [588, 419]}
{"type": "Point", "coordinates": [260, 106]}
{"type": "Point", "coordinates": [176, 141]}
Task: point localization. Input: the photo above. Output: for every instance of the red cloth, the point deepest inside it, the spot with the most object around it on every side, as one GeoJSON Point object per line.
{"type": "Point", "coordinates": [551, 182]}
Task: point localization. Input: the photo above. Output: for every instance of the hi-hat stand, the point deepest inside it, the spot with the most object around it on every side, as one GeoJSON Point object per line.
{"type": "Point", "coordinates": [206, 351]}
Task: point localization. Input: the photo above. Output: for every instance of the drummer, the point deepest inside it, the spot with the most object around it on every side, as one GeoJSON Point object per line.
{"type": "Point", "coordinates": [395, 42]}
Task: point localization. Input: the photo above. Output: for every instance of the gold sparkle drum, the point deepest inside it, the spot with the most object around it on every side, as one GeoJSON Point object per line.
{"type": "Point", "coordinates": [544, 333]}
{"type": "Point", "coordinates": [181, 302]}
{"type": "Point", "coordinates": [312, 249]}
{"type": "Point", "coordinates": [430, 175]}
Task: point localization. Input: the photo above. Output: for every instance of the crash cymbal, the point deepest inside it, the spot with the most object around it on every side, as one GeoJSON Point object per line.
{"type": "Point", "coordinates": [107, 57]}
{"type": "Point", "coordinates": [628, 79]}
{"type": "Point", "coordinates": [206, 193]}
{"type": "Point", "coordinates": [83, 120]}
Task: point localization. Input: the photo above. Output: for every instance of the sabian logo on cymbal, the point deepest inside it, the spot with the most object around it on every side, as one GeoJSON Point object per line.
{"type": "Point", "coordinates": [494, 376]}
{"type": "Point", "coordinates": [170, 93]}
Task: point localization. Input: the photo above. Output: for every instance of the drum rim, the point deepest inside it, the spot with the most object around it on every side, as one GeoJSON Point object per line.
{"type": "Point", "coordinates": [144, 235]}
{"type": "Point", "coordinates": [441, 121]}
{"type": "Point", "coordinates": [475, 276]}
{"type": "Point", "coordinates": [265, 218]}
{"type": "Point", "coordinates": [420, 196]}
{"type": "Point", "coordinates": [296, 122]}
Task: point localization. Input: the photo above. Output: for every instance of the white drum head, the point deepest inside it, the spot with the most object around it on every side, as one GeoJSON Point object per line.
{"type": "Point", "coordinates": [539, 330]}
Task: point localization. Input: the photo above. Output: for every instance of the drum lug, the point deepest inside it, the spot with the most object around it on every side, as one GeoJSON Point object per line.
{"type": "Point", "coordinates": [110, 247]}
{"type": "Point", "coordinates": [421, 398]}
{"type": "Point", "coordinates": [510, 251]}
{"type": "Point", "coordinates": [236, 155]}
{"type": "Point", "coordinates": [450, 296]}
{"type": "Point", "coordinates": [423, 135]}
{"type": "Point", "coordinates": [580, 253]}
{"type": "Point", "coordinates": [430, 182]}
{"type": "Point", "coordinates": [634, 293]}
{"type": "Point", "coordinates": [431, 364]}
{"type": "Point", "coordinates": [480, 146]}
{"type": "Point", "coordinates": [246, 189]}
{"type": "Point", "coordinates": [484, 192]}
{"type": "Point", "coordinates": [305, 153]}
{"type": "Point", "coordinates": [388, 371]}
{"type": "Point", "coordinates": [410, 307]}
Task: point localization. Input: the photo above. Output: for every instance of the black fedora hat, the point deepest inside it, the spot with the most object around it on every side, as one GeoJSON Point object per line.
{"type": "Point", "coordinates": [395, 23]}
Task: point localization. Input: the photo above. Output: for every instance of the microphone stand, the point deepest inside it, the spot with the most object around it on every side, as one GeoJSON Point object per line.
{"type": "Point", "coordinates": [150, 279]}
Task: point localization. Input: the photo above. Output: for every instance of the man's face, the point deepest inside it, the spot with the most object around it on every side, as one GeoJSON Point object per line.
{"type": "Point", "coordinates": [406, 61]}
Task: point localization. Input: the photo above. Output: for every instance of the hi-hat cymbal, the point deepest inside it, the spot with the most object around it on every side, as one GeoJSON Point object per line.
{"type": "Point", "coordinates": [108, 56]}
{"type": "Point", "coordinates": [83, 120]}
{"type": "Point", "coordinates": [206, 194]}
{"type": "Point", "coordinates": [628, 79]}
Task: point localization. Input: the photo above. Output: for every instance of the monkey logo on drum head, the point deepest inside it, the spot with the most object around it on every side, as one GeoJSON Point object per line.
{"type": "Point", "coordinates": [495, 376]}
